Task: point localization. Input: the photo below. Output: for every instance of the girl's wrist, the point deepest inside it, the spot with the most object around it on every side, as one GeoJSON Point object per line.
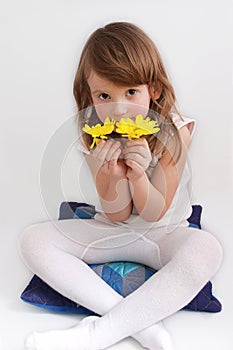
{"type": "Point", "coordinates": [117, 196]}
{"type": "Point", "coordinates": [136, 179]}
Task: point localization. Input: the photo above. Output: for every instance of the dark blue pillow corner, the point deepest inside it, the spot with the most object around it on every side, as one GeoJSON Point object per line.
{"type": "Point", "coordinates": [195, 218]}
{"type": "Point", "coordinates": [124, 277]}
{"type": "Point", "coordinates": [205, 301]}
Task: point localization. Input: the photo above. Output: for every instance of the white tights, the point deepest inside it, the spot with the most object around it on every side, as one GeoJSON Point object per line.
{"type": "Point", "coordinates": [58, 252]}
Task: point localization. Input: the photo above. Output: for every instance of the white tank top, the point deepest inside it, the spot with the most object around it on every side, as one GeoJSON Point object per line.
{"type": "Point", "coordinates": [180, 208]}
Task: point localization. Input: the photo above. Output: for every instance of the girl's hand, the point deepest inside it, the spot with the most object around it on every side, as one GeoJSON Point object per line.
{"type": "Point", "coordinates": [106, 158]}
{"type": "Point", "coordinates": [137, 158]}
{"type": "Point", "coordinates": [117, 169]}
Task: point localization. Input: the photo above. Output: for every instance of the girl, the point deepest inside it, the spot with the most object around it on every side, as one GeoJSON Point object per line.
{"type": "Point", "coordinates": [142, 186]}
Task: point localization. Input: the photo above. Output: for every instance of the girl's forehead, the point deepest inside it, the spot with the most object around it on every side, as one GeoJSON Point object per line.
{"type": "Point", "coordinates": [96, 82]}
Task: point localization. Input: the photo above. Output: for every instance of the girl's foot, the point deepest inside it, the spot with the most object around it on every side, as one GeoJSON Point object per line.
{"type": "Point", "coordinates": [75, 338]}
{"type": "Point", "coordinates": [155, 337]}
{"type": "Point", "coordinates": [80, 337]}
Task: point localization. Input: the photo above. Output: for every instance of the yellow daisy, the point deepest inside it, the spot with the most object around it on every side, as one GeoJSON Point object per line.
{"type": "Point", "coordinates": [128, 128]}
{"type": "Point", "coordinates": [98, 131]}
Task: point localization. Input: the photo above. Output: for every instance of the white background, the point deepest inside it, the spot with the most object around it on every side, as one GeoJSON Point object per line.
{"type": "Point", "coordinates": [40, 43]}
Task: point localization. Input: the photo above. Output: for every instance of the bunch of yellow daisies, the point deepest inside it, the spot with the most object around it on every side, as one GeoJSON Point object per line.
{"type": "Point", "coordinates": [126, 127]}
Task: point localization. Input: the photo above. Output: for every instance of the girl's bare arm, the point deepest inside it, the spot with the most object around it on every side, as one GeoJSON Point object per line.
{"type": "Point", "coordinates": [153, 198]}
{"type": "Point", "coordinates": [112, 185]}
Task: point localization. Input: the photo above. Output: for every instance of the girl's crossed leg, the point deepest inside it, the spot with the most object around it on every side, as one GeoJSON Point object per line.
{"type": "Point", "coordinates": [187, 258]}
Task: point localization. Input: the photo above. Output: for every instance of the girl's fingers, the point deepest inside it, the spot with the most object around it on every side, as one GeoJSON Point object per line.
{"type": "Point", "coordinates": [101, 151]}
{"type": "Point", "coordinates": [113, 151]}
{"type": "Point", "coordinates": [116, 153]}
{"type": "Point", "coordinates": [136, 158]}
{"type": "Point", "coordinates": [137, 149]}
{"type": "Point", "coordinates": [114, 158]}
{"type": "Point", "coordinates": [134, 166]}
{"type": "Point", "coordinates": [134, 170]}
{"type": "Point", "coordinates": [138, 142]}
{"type": "Point", "coordinates": [99, 147]}
{"type": "Point", "coordinates": [131, 163]}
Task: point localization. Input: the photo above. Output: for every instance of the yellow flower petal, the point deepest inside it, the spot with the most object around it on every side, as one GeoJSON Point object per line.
{"type": "Point", "coordinates": [128, 128]}
{"type": "Point", "coordinates": [146, 125]}
{"type": "Point", "coordinates": [93, 143]}
{"type": "Point", "coordinates": [99, 130]}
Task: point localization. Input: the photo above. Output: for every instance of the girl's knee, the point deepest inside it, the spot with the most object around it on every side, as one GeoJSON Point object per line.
{"type": "Point", "coordinates": [211, 246]}
{"type": "Point", "coordinates": [34, 240]}
{"type": "Point", "coordinates": [207, 251]}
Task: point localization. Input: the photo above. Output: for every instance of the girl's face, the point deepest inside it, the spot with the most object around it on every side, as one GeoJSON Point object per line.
{"type": "Point", "coordinates": [115, 101]}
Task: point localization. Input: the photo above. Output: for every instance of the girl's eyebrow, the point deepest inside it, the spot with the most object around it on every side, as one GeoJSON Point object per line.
{"type": "Point", "coordinates": [95, 91]}
{"type": "Point", "coordinates": [98, 91]}
{"type": "Point", "coordinates": [105, 90]}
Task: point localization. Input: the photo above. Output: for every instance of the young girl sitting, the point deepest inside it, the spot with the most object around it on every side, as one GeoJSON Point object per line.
{"type": "Point", "coordinates": [143, 188]}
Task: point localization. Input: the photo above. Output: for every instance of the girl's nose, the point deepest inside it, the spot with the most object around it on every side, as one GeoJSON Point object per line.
{"type": "Point", "coordinates": [119, 110]}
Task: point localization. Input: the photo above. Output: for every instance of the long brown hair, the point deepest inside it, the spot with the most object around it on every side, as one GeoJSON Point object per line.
{"type": "Point", "coordinates": [122, 53]}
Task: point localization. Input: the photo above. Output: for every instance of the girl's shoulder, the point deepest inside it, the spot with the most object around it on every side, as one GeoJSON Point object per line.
{"type": "Point", "coordinates": [179, 123]}
{"type": "Point", "coordinates": [184, 121]}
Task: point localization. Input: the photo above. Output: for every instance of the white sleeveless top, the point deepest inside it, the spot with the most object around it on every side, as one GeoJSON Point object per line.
{"type": "Point", "coordinates": [180, 208]}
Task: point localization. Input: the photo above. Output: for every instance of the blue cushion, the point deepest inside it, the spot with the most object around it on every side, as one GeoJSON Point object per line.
{"type": "Point", "coordinates": [123, 277]}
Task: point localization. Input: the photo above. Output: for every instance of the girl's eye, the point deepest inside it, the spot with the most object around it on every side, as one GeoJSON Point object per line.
{"type": "Point", "coordinates": [103, 96]}
{"type": "Point", "coordinates": [131, 92]}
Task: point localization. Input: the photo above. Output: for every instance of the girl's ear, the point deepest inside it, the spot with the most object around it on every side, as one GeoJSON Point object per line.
{"type": "Point", "coordinates": [155, 91]}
